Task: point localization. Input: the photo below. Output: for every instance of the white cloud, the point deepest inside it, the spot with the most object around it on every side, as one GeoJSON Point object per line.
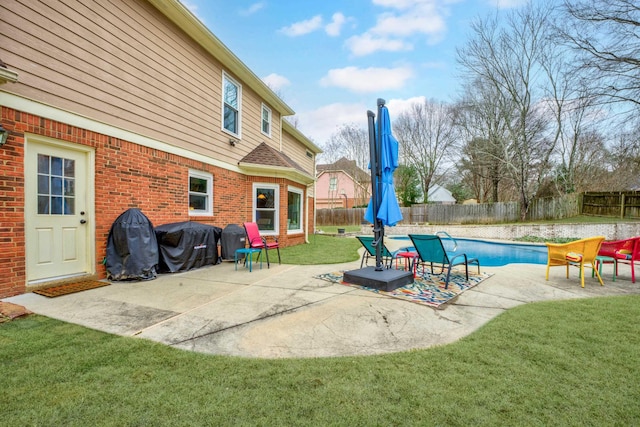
{"type": "Point", "coordinates": [255, 7]}
{"type": "Point", "coordinates": [422, 20]}
{"type": "Point", "coordinates": [303, 27]}
{"type": "Point", "coordinates": [399, 106]}
{"type": "Point", "coordinates": [364, 80]}
{"type": "Point", "coordinates": [321, 123]}
{"type": "Point", "coordinates": [367, 43]}
{"type": "Point", "coordinates": [408, 19]}
{"type": "Point", "coordinates": [334, 27]}
{"type": "Point", "coordinates": [276, 82]}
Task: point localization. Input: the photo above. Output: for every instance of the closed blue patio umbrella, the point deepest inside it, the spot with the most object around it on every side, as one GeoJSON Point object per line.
{"type": "Point", "coordinates": [383, 208]}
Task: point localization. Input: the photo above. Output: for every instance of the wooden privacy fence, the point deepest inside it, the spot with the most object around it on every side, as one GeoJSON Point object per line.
{"type": "Point", "coordinates": [486, 213]}
{"type": "Point", "coordinates": [623, 204]}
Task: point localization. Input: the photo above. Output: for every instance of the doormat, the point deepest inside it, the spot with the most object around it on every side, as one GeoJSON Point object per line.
{"type": "Point", "coordinates": [70, 288]}
{"type": "Point", "coordinates": [427, 289]}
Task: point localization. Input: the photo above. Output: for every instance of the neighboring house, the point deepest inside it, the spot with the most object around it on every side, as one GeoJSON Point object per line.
{"type": "Point", "coordinates": [113, 105]}
{"type": "Point", "coordinates": [439, 194]}
{"type": "Point", "coordinates": [341, 185]}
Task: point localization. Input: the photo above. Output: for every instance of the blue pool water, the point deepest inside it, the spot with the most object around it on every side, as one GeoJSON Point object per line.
{"type": "Point", "coordinates": [494, 254]}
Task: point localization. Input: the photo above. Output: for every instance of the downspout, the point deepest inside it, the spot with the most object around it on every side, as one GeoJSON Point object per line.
{"type": "Point", "coordinates": [306, 228]}
{"type": "Point", "coordinates": [306, 216]}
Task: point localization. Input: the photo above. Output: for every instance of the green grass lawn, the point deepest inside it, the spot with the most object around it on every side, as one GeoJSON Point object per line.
{"type": "Point", "coordinates": [558, 363]}
{"type": "Point", "coordinates": [562, 363]}
{"type": "Point", "coordinates": [322, 249]}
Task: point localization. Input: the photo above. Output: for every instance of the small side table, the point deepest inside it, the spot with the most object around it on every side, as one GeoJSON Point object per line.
{"type": "Point", "coordinates": [248, 254]}
{"type": "Point", "coordinates": [600, 259]}
{"type": "Point", "coordinates": [409, 260]}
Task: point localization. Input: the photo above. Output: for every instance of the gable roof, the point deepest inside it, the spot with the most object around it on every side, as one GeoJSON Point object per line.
{"type": "Point", "coordinates": [267, 161]}
{"type": "Point", "coordinates": [437, 193]}
{"type": "Point", "coordinates": [347, 166]}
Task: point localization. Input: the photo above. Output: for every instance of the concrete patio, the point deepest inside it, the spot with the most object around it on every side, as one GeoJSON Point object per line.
{"type": "Point", "coordinates": [285, 312]}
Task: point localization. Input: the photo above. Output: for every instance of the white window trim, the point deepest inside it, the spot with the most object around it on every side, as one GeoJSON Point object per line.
{"type": "Point", "coordinates": [264, 107]}
{"type": "Point", "coordinates": [276, 192]}
{"type": "Point", "coordinates": [209, 178]}
{"type": "Point", "coordinates": [301, 193]}
{"type": "Point", "coordinates": [333, 182]}
{"type": "Point", "coordinates": [225, 76]}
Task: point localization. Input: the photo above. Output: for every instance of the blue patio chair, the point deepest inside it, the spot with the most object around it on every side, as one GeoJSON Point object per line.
{"type": "Point", "coordinates": [431, 251]}
{"type": "Point", "coordinates": [370, 251]}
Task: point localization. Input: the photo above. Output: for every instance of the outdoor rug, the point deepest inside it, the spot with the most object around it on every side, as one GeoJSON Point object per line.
{"type": "Point", "coordinates": [427, 288]}
{"type": "Point", "coordinates": [70, 288]}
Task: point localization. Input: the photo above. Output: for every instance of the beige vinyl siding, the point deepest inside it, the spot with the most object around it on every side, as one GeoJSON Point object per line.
{"type": "Point", "coordinates": [124, 63]}
{"type": "Point", "coordinates": [252, 122]}
{"type": "Point", "coordinates": [298, 153]}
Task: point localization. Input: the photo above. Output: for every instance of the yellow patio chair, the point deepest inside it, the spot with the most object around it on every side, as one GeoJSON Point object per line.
{"type": "Point", "coordinates": [577, 253]}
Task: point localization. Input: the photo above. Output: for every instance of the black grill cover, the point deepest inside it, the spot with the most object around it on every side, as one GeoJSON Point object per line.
{"type": "Point", "coordinates": [132, 248]}
{"type": "Point", "coordinates": [187, 245]}
{"type": "Point", "coordinates": [233, 237]}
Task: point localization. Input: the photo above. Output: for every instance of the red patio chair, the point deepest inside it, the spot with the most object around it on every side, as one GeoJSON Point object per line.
{"type": "Point", "coordinates": [258, 242]}
{"type": "Point", "coordinates": [625, 251]}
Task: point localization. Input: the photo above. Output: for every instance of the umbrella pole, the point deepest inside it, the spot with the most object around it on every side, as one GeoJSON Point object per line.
{"type": "Point", "coordinates": [378, 151]}
{"type": "Point", "coordinates": [382, 278]}
{"type": "Point", "coordinates": [373, 160]}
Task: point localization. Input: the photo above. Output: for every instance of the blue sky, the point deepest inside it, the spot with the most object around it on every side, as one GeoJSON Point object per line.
{"type": "Point", "coordinates": [331, 60]}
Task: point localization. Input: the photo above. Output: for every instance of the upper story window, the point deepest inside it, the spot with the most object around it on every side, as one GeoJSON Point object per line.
{"type": "Point", "coordinates": [232, 105]}
{"type": "Point", "coordinates": [333, 183]}
{"type": "Point", "coordinates": [266, 120]}
{"type": "Point", "coordinates": [200, 193]}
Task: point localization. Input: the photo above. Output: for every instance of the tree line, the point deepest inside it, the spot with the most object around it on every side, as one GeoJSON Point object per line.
{"type": "Point", "coordinates": [549, 103]}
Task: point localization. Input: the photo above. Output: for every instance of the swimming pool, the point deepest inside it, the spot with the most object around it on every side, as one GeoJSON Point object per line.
{"type": "Point", "coordinates": [494, 254]}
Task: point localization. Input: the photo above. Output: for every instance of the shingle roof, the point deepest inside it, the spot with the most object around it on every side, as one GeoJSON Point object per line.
{"type": "Point", "coordinates": [264, 155]}
{"type": "Point", "coordinates": [346, 165]}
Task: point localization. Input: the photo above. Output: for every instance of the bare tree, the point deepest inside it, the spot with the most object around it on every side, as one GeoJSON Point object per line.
{"type": "Point", "coordinates": [510, 57]}
{"type": "Point", "coordinates": [425, 133]}
{"type": "Point", "coordinates": [354, 143]}
{"type": "Point", "coordinates": [604, 34]}
{"type": "Point", "coordinates": [484, 126]}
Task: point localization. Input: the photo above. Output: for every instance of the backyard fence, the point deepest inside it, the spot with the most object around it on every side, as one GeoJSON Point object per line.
{"type": "Point", "coordinates": [623, 204]}
{"type": "Point", "coordinates": [485, 213]}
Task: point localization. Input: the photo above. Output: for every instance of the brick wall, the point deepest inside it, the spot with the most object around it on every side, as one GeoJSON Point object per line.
{"type": "Point", "coordinates": [126, 175]}
{"type": "Point", "coordinates": [12, 255]}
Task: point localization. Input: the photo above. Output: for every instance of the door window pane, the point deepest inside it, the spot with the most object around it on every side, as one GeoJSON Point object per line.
{"type": "Point", "coordinates": [56, 186]}
{"type": "Point", "coordinates": [56, 166]}
{"type": "Point", "coordinates": [43, 204]}
{"type": "Point", "coordinates": [69, 168]}
{"type": "Point", "coordinates": [56, 205]}
{"type": "Point", "coordinates": [43, 163]}
{"type": "Point", "coordinates": [43, 184]}
{"type": "Point", "coordinates": [56, 178]}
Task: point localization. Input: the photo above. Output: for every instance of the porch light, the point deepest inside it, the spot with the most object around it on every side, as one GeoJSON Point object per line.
{"type": "Point", "coordinates": [4, 134]}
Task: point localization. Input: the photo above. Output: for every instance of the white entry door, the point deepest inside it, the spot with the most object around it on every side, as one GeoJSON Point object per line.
{"type": "Point", "coordinates": [57, 212]}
